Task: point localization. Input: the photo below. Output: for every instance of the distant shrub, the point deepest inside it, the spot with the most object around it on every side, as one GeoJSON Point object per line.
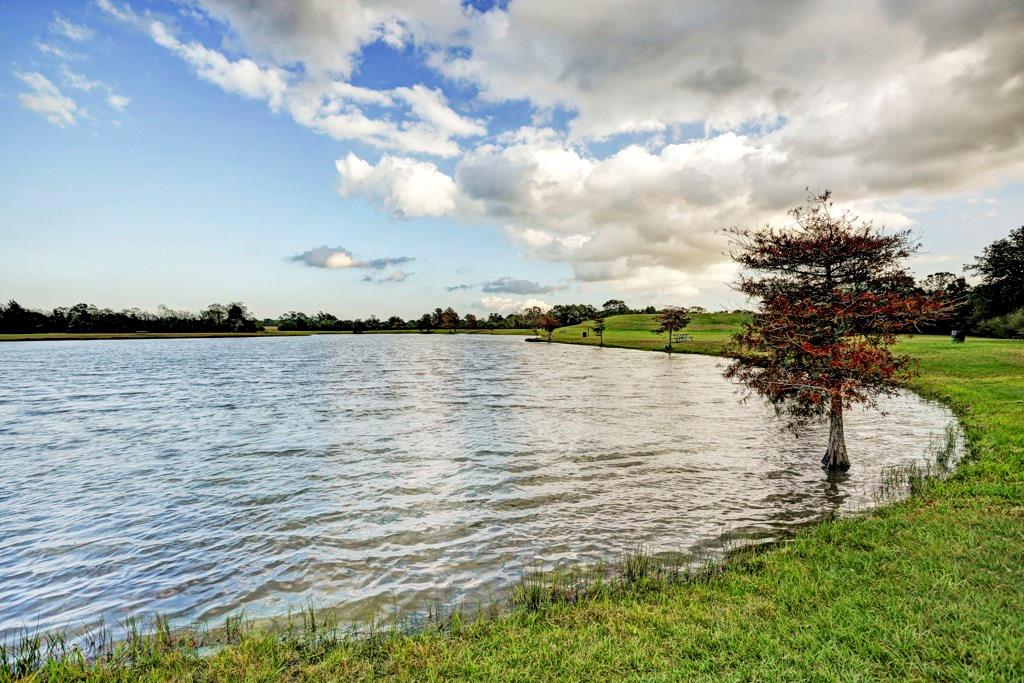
{"type": "Point", "coordinates": [1009, 326]}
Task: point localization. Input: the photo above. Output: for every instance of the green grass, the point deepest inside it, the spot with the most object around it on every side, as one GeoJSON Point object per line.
{"type": "Point", "coordinates": [931, 588]}
{"type": "Point", "coordinates": [708, 332]}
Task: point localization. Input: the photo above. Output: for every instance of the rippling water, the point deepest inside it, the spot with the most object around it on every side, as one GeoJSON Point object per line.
{"type": "Point", "coordinates": [197, 477]}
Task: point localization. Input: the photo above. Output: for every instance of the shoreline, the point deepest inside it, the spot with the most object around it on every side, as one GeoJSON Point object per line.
{"type": "Point", "coordinates": [126, 336]}
{"type": "Point", "coordinates": [930, 587]}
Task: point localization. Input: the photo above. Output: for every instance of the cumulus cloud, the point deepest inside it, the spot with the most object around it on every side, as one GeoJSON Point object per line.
{"type": "Point", "coordinates": [305, 74]}
{"type": "Point", "coordinates": [422, 121]}
{"type": "Point", "coordinates": [728, 110]}
{"type": "Point", "coordinates": [340, 258]}
{"type": "Point", "coordinates": [889, 99]}
{"type": "Point", "coordinates": [405, 187]}
{"type": "Point", "coordinates": [243, 76]}
{"type": "Point", "coordinates": [327, 36]}
{"type": "Point", "coordinates": [431, 106]}
{"type": "Point", "coordinates": [47, 100]}
{"type": "Point", "coordinates": [648, 66]}
{"type": "Point", "coordinates": [506, 305]}
{"type": "Point", "coordinates": [608, 217]}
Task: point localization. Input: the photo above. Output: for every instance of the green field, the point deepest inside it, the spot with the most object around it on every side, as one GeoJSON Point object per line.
{"type": "Point", "coordinates": [708, 332]}
{"type": "Point", "coordinates": [931, 588]}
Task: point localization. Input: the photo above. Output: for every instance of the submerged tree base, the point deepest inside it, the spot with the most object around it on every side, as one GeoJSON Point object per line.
{"type": "Point", "coordinates": [835, 458]}
{"type": "Point", "coordinates": [829, 463]}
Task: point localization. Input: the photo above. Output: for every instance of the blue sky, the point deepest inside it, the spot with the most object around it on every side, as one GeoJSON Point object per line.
{"type": "Point", "coordinates": [182, 153]}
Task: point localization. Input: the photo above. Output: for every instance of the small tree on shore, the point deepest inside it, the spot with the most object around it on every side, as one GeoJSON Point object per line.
{"type": "Point", "coordinates": [598, 327]}
{"type": "Point", "coordinates": [548, 323]}
{"type": "Point", "coordinates": [671, 320]}
{"type": "Point", "coordinates": [450, 320]}
{"type": "Point", "coordinates": [831, 302]}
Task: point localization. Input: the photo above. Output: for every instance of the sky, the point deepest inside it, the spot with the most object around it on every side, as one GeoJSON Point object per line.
{"type": "Point", "coordinates": [392, 156]}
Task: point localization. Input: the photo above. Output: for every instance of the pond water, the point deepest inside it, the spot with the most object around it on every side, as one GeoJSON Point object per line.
{"type": "Point", "coordinates": [198, 477]}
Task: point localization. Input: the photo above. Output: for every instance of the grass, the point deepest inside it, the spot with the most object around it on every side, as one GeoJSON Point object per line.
{"type": "Point", "coordinates": [931, 588]}
{"type": "Point", "coordinates": [708, 332]}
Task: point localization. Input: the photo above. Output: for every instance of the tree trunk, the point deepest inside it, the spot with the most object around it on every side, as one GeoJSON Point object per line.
{"type": "Point", "coordinates": [835, 459]}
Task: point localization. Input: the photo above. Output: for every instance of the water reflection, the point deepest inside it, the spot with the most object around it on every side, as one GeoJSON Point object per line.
{"type": "Point", "coordinates": [198, 477]}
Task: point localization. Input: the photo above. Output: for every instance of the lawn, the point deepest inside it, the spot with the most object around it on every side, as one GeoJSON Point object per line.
{"type": "Point", "coordinates": [931, 588]}
{"type": "Point", "coordinates": [708, 332]}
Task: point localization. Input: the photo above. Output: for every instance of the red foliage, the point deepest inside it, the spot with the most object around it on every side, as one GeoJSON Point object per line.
{"type": "Point", "coordinates": [832, 299]}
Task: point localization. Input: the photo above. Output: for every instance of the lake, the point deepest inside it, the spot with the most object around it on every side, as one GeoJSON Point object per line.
{"type": "Point", "coordinates": [199, 477]}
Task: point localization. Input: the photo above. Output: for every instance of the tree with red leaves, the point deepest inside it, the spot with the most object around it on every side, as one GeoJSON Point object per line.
{"type": "Point", "coordinates": [548, 323]}
{"type": "Point", "coordinates": [832, 299]}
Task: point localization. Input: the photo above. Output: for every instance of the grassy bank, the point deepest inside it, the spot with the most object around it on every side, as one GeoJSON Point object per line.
{"type": "Point", "coordinates": [708, 332]}
{"type": "Point", "coordinates": [927, 589]}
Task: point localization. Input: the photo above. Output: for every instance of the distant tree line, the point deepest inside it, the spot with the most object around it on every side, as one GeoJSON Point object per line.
{"type": "Point", "coordinates": [993, 307]}
{"type": "Point", "coordinates": [233, 317]}
{"type": "Point", "coordinates": [529, 318]}
{"type": "Point", "coordinates": [438, 319]}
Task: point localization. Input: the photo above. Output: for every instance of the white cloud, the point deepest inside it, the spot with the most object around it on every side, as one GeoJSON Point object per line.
{"type": "Point", "coordinates": [85, 84]}
{"type": "Point", "coordinates": [729, 110]}
{"type": "Point", "coordinates": [419, 120]}
{"type": "Point", "coordinates": [56, 52]}
{"type": "Point", "coordinates": [510, 285]}
{"type": "Point", "coordinates": [118, 102]}
{"type": "Point", "coordinates": [505, 305]}
{"type": "Point", "coordinates": [47, 100]}
{"type": "Point", "coordinates": [78, 81]}
{"type": "Point", "coordinates": [648, 66]}
{"type": "Point", "coordinates": [242, 76]}
{"type": "Point", "coordinates": [327, 35]}
{"type": "Point", "coordinates": [70, 30]}
{"type": "Point", "coordinates": [335, 109]}
{"type": "Point", "coordinates": [405, 187]}
{"type": "Point", "coordinates": [431, 106]}
{"type": "Point", "coordinates": [392, 277]}
{"type": "Point", "coordinates": [121, 12]}
{"type": "Point", "coordinates": [629, 218]}
{"type": "Point", "coordinates": [340, 258]}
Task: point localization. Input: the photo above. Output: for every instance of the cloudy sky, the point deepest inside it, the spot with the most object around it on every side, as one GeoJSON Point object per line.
{"type": "Point", "coordinates": [391, 156]}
